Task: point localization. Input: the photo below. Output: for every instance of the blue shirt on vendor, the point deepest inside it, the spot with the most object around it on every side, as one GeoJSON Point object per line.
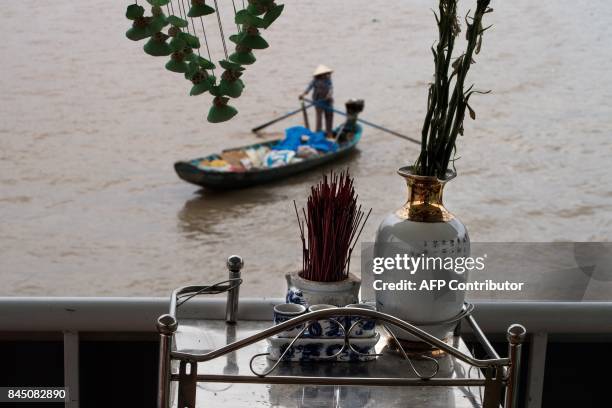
{"type": "Point", "coordinates": [322, 95]}
{"type": "Point", "coordinates": [322, 90]}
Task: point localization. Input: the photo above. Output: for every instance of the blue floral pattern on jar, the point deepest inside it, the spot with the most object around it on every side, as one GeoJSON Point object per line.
{"type": "Point", "coordinates": [296, 296]}
{"type": "Point", "coordinates": [363, 327]}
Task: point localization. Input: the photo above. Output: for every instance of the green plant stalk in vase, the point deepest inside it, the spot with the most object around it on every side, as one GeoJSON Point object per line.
{"type": "Point", "coordinates": [448, 99]}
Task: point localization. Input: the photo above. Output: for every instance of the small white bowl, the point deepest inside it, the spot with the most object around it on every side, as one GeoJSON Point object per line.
{"type": "Point", "coordinates": [287, 311]}
{"type": "Point", "coordinates": [332, 327]}
{"type": "Point", "coordinates": [317, 349]}
{"type": "Point", "coordinates": [363, 326]}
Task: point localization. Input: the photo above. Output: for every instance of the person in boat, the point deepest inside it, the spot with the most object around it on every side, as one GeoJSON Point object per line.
{"type": "Point", "coordinates": [322, 95]}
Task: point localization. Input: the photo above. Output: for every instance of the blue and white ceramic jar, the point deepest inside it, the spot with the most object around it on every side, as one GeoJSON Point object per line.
{"type": "Point", "coordinates": [306, 292]}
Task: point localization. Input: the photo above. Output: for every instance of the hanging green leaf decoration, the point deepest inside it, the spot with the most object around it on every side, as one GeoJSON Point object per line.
{"type": "Point", "coordinates": [200, 88]}
{"type": "Point", "coordinates": [231, 88]}
{"type": "Point", "coordinates": [230, 66]}
{"type": "Point", "coordinates": [202, 62]}
{"type": "Point", "coordinates": [259, 7]}
{"type": "Point", "coordinates": [264, 3]}
{"type": "Point", "coordinates": [192, 40]}
{"type": "Point", "coordinates": [177, 63]}
{"type": "Point", "coordinates": [178, 42]}
{"type": "Point", "coordinates": [199, 8]}
{"type": "Point", "coordinates": [259, 14]}
{"type": "Point", "coordinates": [158, 3]}
{"type": "Point", "coordinates": [220, 111]}
{"type": "Point", "coordinates": [236, 38]}
{"type": "Point", "coordinates": [255, 9]}
{"type": "Point", "coordinates": [230, 84]}
{"type": "Point", "coordinates": [177, 21]}
{"type": "Point", "coordinates": [246, 18]}
{"type": "Point", "coordinates": [174, 31]}
{"type": "Point", "coordinates": [157, 11]}
{"type": "Point", "coordinates": [134, 11]}
{"type": "Point", "coordinates": [138, 31]}
{"type": "Point", "coordinates": [176, 66]}
{"type": "Point", "coordinates": [250, 38]}
{"type": "Point", "coordinates": [202, 83]}
{"type": "Point", "coordinates": [157, 23]}
{"type": "Point", "coordinates": [242, 56]}
{"type": "Point", "coordinates": [192, 70]}
{"type": "Point", "coordinates": [188, 54]}
{"type": "Point", "coordinates": [255, 42]}
{"type": "Point", "coordinates": [272, 15]}
{"type": "Point", "coordinates": [157, 46]}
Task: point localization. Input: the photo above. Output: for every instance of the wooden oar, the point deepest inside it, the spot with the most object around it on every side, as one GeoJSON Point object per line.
{"type": "Point", "coordinates": [306, 124]}
{"type": "Point", "coordinates": [286, 115]}
{"type": "Point", "coordinates": [365, 122]}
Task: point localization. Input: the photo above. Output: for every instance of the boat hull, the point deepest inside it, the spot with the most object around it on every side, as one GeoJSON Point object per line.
{"type": "Point", "coordinates": [216, 180]}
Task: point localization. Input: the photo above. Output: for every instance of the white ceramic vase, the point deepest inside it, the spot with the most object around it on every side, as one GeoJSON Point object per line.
{"type": "Point", "coordinates": [422, 227]}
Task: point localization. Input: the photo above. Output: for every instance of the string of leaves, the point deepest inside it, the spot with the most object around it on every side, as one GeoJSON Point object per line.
{"type": "Point", "coordinates": [448, 99]}
{"type": "Point", "coordinates": [330, 228]}
{"type": "Point", "coordinates": [259, 14]}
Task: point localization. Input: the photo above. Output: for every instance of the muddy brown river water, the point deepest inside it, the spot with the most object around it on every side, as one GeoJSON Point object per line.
{"type": "Point", "coordinates": [90, 127]}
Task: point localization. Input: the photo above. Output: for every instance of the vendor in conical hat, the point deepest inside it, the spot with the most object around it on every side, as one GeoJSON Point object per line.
{"type": "Point", "coordinates": [322, 95]}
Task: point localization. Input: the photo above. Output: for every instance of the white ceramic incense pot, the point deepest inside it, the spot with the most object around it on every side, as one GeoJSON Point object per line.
{"type": "Point", "coordinates": [307, 292]}
{"type": "Point", "coordinates": [422, 227]}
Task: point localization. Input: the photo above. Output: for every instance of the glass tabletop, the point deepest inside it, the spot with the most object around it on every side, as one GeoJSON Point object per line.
{"type": "Point", "coordinates": [205, 335]}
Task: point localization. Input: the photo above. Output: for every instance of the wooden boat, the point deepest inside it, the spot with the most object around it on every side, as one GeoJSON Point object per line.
{"type": "Point", "coordinates": [191, 172]}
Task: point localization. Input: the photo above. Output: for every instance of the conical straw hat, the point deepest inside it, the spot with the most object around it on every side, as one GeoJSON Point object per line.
{"type": "Point", "coordinates": [322, 69]}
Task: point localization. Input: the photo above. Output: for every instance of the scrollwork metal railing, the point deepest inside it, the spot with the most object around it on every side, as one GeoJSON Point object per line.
{"type": "Point", "coordinates": [499, 372]}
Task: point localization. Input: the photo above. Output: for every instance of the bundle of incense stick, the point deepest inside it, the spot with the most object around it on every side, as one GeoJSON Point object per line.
{"type": "Point", "coordinates": [330, 228]}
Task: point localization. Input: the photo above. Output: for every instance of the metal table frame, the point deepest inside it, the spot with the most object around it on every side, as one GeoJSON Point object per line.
{"type": "Point", "coordinates": [499, 373]}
